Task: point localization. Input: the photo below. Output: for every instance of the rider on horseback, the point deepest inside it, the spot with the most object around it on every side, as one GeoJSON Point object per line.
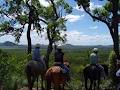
{"type": "Point", "coordinates": [36, 53]}
{"type": "Point", "coordinates": [94, 61]}
{"type": "Point", "coordinates": [59, 55]}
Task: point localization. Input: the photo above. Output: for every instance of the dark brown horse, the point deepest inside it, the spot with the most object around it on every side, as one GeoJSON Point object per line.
{"type": "Point", "coordinates": [33, 69]}
{"type": "Point", "coordinates": [56, 78]}
{"type": "Point", "coordinates": [93, 74]}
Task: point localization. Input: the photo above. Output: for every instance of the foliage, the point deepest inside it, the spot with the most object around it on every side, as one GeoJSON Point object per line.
{"type": "Point", "coordinates": [113, 69]}
{"type": "Point", "coordinates": [15, 14]}
{"type": "Point", "coordinates": [4, 69]}
{"type": "Point", "coordinates": [11, 70]}
{"type": "Point", "coordinates": [53, 16]}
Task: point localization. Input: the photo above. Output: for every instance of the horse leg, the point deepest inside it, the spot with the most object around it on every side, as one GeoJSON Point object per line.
{"type": "Point", "coordinates": [63, 87]}
{"type": "Point", "coordinates": [42, 82]}
{"type": "Point", "coordinates": [29, 82]}
{"type": "Point", "coordinates": [94, 84]}
{"type": "Point", "coordinates": [98, 84]}
{"type": "Point", "coordinates": [28, 73]}
{"type": "Point", "coordinates": [86, 83]}
{"type": "Point", "coordinates": [57, 87]}
{"type": "Point", "coordinates": [60, 88]}
{"type": "Point", "coordinates": [37, 82]}
{"type": "Point", "coordinates": [91, 83]}
{"type": "Point", "coordinates": [33, 80]}
{"type": "Point", "coordinates": [48, 85]}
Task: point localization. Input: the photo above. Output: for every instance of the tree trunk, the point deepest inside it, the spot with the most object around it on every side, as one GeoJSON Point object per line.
{"type": "Point", "coordinates": [31, 20]}
{"type": "Point", "coordinates": [29, 38]}
{"type": "Point", "coordinates": [115, 27]}
{"type": "Point", "coordinates": [49, 50]}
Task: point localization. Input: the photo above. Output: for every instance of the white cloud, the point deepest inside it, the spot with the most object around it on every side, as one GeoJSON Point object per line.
{"type": "Point", "coordinates": [74, 18]}
{"type": "Point", "coordinates": [93, 27]}
{"type": "Point", "coordinates": [78, 38]}
{"type": "Point", "coordinates": [35, 38]}
{"type": "Point", "coordinates": [79, 9]}
{"type": "Point", "coordinates": [93, 6]}
{"type": "Point", "coordinates": [44, 3]}
{"type": "Point", "coordinates": [73, 37]}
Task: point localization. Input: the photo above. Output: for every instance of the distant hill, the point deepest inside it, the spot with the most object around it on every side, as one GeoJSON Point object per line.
{"type": "Point", "coordinates": [82, 47]}
{"type": "Point", "coordinates": [11, 45]}
{"type": "Point", "coordinates": [7, 43]}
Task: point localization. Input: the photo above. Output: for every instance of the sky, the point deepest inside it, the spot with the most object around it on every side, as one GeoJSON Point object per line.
{"type": "Point", "coordinates": [81, 29]}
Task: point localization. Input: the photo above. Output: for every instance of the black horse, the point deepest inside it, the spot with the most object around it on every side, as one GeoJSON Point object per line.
{"type": "Point", "coordinates": [93, 74]}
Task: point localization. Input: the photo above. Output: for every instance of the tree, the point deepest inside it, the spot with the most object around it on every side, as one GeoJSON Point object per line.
{"type": "Point", "coordinates": [21, 13]}
{"type": "Point", "coordinates": [53, 18]}
{"type": "Point", "coordinates": [108, 14]}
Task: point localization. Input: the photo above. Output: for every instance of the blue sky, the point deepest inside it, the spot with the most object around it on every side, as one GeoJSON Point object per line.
{"type": "Point", "coordinates": [81, 30]}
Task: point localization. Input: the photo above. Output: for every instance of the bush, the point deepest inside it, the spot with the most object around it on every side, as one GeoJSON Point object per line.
{"type": "Point", "coordinates": [4, 69]}
{"type": "Point", "coordinates": [113, 68]}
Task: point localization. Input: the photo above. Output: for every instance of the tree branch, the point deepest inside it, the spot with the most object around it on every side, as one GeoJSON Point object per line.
{"type": "Point", "coordinates": [54, 8]}
{"type": "Point", "coordinates": [94, 17]}
{"type": "Point", "coordinates": [7, 15]}
{"type": "Point", "coordinates": [43, 21]}
{"type": "Point", "coordinates": [104, 21]}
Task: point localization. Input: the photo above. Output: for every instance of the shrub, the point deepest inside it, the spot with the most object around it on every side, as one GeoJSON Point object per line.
{"type": "Point", "coordinates": [4, 69]}
{"type": "Point", "coordinates": [112, 62]}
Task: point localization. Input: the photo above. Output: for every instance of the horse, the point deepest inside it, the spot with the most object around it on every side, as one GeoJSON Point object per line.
{"type": "Point", "coordinates": [56, 78]}
{"type": "Point", "coordinates": [33, 69]}
{"type": "Point", "coordinates": [93, 74]}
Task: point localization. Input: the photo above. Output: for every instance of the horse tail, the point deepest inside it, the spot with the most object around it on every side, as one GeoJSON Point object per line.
{"type": "Point", "coordinates": [28, 70]}
{"type": "Point", "coordinates": [48, 74]}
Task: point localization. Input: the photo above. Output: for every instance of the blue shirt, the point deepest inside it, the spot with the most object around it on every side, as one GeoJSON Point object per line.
{"type": "Point", "coordinates": [93, 58]}
{"type": "Point", "coordinates": [36, 54]}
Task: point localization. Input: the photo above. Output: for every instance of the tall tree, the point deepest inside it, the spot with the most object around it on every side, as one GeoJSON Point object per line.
{"type": "Point", "coordinates": [21, 13]}
{"type": "Point", "coordinates": [108, 14]}
{"type": "Point", "coordinates": [53, 16]}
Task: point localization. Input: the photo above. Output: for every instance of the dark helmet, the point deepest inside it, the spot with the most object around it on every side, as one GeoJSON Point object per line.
{"type": "Point", "coordinates": [37, 46]}
{"type": "Point", "coordinates": [59, 49]}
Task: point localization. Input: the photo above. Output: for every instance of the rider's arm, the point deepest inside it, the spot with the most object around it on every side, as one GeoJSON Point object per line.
{"type": "Point", "coordinates": [118, 73]}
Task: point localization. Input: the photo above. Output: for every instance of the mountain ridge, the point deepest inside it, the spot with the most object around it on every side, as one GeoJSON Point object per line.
{"type": "Point", "coordinates": [10, 45]}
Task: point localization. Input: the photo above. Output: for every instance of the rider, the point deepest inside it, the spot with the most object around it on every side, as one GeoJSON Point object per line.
{"type": "Point", "coordinates": [36, 53]}
{"type": "Point", "coordinates": [94, 61]}
{"type": "Point", "coordinates": [118, 71]}
{"type": "Point", "coordinates": [59, 55]}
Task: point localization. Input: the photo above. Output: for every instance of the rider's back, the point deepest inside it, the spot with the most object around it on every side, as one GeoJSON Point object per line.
{"type": "Point", "coordinates": [93, 58]}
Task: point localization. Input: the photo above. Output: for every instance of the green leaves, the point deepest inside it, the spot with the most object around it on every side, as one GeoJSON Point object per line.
{"type": "Point", "coordinates": [108, 6]}
{"type": "Point", "coordinates": [84, 3]}
{"type": "Point", "coordinates": [23, 19]}
{"type": "Point", "coordinates": [4, 68]}
{"type": "Point", "coordinates": [6, 27]}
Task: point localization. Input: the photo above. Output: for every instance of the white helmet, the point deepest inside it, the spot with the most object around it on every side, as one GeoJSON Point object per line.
{"type": "Point", "coordinates": [95, 49]}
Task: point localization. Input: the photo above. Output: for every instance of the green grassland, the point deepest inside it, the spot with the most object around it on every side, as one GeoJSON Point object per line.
{"type": "Point", "coordinates": [78, 60]}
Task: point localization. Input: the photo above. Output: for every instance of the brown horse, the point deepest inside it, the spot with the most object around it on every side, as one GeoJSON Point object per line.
{"type": "Point", "coordinates": [55, 77]}
{"type": "Point", "coordinates": [33, 69]}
